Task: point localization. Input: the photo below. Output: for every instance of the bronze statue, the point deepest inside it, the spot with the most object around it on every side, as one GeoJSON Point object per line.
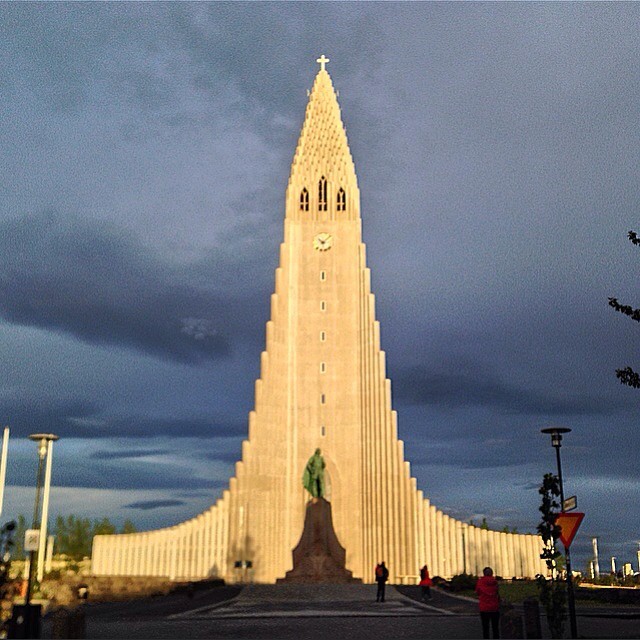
{"type": "Point", "coordinates": [313, 477]}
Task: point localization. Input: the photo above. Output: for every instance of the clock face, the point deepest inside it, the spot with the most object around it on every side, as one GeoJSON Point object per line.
{"type": "Point", "coordinates": [322, 242]}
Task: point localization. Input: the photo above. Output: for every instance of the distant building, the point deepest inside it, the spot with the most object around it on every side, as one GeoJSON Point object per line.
{"type": "Point", "coordinates": [322, 385]}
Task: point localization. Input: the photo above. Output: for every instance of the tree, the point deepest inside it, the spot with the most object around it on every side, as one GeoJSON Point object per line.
{"type": "Point", "coordinates": [103, 527]}
{"type": "Point", "coordinates": [627, 375]}
{"type": "Point", "coordinates": [73, 536]}
{"type": "Point", "coordinates": [506, 529]}
{"type": "Point", "coordinates": [553, 595]}
{"type": "Point", "coordinates": [129, 527]}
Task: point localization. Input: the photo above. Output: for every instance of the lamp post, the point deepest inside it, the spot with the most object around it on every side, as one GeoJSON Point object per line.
{"type": "Point", "coordinates": [556, 443]}
{"type": "Point", "coordinates": [42, 544]}
{"type": "Point", "coordinates": [44, 441]}
{"type": "Point", "coordinates": [3, 465]}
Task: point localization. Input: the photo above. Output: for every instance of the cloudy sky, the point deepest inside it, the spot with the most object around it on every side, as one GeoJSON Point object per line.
{"type": "Point", "coordinates": [145, 150]}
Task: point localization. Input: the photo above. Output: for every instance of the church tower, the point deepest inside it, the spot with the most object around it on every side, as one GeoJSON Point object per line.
{"type": "Point", "coordinates": [322, 381]}
{"type": "Point", "coordinates": [322, 385]}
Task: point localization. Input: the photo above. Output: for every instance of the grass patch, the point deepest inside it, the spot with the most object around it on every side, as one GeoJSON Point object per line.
{"type": "Point", "coordinates": [512, 592]}
{"type": "Point", "coordinates": [516, 592]}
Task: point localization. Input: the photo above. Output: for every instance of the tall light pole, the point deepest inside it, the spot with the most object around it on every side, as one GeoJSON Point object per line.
{"type": "Point", "coordinates": [43, 440]}
{"type": "Point", "coordinates": [42, 544]}
{"type": "Point", "coordinates": [556, 443]}
{"type": "Point", "coordinates": [3, 465]}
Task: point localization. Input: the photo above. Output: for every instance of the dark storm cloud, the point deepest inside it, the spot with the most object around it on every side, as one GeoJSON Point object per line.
{"type": "Point", "coordinates": [134, 476]}
{"type": "Point", "coordinates": [530, 486]}
{"type": "Point", "coordinates": [76, 470]}
{"type": "Point", "coordinates": [193, 49]}
{"type": "Point", "coordinates": [72, 418]}
{"type": "Point", "coordinates": [419, 385]}
{"type": "Point", "coordinates": [474, 453]}
{"type": "Point", "coordinates": [30, 413]}
{"type": "Point", "coordinates": [223, 456]}
{"type": "Point", "coordinates": [149, 427]}
{"type": "Point", "coordinates": [104, 287]}
{"type": "Point", "coordinates": [216, 35]}
{"type": "Point", "coordinates": [146, 505]}
{"type": "Point", "coordinates": [125, 454]}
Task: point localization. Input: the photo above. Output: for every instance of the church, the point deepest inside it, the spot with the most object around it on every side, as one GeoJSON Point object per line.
{"type": "Point", "coordinates": [322, 385]}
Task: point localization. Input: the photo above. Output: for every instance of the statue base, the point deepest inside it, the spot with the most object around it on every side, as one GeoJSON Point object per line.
{"type": "Point", "coordinates": [319, 557]}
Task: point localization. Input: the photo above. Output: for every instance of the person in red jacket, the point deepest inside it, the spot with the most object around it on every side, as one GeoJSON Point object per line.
{"type": "Point", "coordinates": [425, 583]}
{"type": "Point", "coordinates": [489, 602]}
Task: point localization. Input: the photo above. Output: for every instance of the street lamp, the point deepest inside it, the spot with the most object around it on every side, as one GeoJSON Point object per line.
{"type": "Point", "coordinates": [44, 441]}
{"type": "Point", "coordinates": [556, 443]}
{"type": "Point", "coordinates": [42, 544]}
{"type": "Point", "coordinates": [3, 465]}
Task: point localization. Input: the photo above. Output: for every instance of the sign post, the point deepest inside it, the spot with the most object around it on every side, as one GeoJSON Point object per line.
{"type": "Point", "coordinates": [31, 539]}
{"type": "Point", "coordinates": [569, 524]}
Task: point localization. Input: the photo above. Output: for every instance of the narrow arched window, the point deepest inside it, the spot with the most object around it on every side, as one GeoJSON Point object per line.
{"type": "Point", "coordinates": [341, 202]}
{"type": "Point", "coordinates": [304, 200]}
{"type": "Point", "coordinates": [322, 194]}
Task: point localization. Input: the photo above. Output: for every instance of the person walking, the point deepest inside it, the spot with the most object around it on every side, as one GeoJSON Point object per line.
{"type": "Point", "coordinates": [488, 602]}
{"type": "Point", "coordinates": [425, 583]}
{"type": "Point", "coordinates": [382, 575]}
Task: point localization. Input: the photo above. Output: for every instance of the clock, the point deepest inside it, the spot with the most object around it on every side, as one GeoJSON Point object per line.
{"type": "Point", "coordinates": [322, 242]}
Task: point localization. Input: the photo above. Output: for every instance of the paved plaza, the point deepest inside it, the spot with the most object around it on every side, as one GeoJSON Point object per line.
{"type": "Point", "coordinates": [315, 612]}
{"type": "Point", "coordinates": [311, 601]}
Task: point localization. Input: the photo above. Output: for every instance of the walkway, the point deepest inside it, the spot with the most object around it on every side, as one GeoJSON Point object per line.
{"type": "Point", "coordinates": [307, 601]}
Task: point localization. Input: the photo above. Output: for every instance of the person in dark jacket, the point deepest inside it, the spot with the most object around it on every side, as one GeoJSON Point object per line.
{"type": "Point", "coordinates": [382, 575]}
{"type": "Point", "coordinates": [488, 602]}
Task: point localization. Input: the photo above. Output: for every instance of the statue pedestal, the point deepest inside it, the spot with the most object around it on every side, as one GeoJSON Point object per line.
{"type": "Point", "coordinates": [319, 557]}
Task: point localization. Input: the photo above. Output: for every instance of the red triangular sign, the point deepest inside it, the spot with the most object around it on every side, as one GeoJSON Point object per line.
{"type": "Point", "coordinates": [569, 524]}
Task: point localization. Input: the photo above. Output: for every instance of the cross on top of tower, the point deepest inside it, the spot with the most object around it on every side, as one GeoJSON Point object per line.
{"type": "Point", "coordinates": [322, 60]}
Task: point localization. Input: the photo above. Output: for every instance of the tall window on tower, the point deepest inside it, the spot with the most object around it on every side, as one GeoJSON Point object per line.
{"type": "Point", "coordinates": [322, 194]}
{"type": "Point", "coordinates": [304, 200]}
{"type": "Point", "coordinates": [341, 203]}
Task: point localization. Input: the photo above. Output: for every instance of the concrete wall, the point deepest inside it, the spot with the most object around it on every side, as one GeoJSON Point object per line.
{"type": "Point", "coordinates": [199, 549]}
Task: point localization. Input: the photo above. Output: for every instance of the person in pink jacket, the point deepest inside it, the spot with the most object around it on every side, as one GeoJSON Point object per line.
{"type": "Point", "coordinates": [489, 602]}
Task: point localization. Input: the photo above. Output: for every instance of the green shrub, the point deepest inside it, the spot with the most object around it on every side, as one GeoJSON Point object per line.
{"type": "Point", "coordinates": [463, 582]}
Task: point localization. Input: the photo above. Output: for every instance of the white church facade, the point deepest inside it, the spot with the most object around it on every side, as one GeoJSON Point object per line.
{"type": "Point", "coordinates": [322, 385]}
